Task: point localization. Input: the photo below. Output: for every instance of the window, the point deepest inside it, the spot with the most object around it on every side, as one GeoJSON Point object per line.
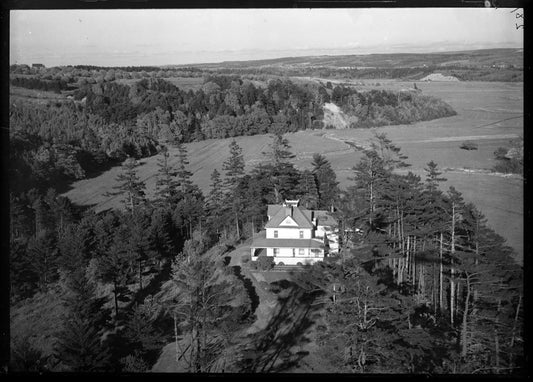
{"type": "Point", "coordinates": [276, 252]}
{"type": "Point", "coordinates": [301, 234]}
{"type": "Point", "coordinates": [317, 252]}
{"type": "Point", "coordinates": [276, 234]}
{"type": "Point", "coordinates": [301, 252]}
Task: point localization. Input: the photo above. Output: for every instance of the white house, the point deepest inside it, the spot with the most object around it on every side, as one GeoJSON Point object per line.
{"type": "Point", "coordinates": [295, 235]}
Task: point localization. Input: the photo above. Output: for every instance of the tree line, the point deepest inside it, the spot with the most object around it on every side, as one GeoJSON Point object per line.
{"type": "Point", "coordinates": [55, 86]}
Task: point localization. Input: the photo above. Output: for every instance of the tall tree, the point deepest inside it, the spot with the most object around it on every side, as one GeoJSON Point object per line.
{"type": "Point", "coordinates": [182, 173]}
{"type": "Point", "coordinates": [130, 186]}
{"type": "Point", "coordinates": [282, 174]}
{"type": "Point", "coordinates": [234, 172]}
{"type": "Point", "coordinates": [307, 190]}
{"type": "Point", "coordinates": [215, 201]}
{"type": "Point", "coordinates": [201, 296]}
{"type": "Point", "coordinates": [81, 345]}
{"type": "Point", "coordinates": [166, 183]}
{"type": "Point", "coordinates": [326, 180]}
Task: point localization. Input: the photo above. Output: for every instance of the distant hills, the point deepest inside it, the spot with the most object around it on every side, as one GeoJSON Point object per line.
{"type": "Point", "coordinates": [483, 58]}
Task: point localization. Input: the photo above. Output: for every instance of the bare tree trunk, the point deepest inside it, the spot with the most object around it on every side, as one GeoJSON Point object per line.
{"type": "Point", "coordinates": [176, 335]}
{"type": "Point", "coordinates": [496, 339]}
{"type": "Point", "coordinates": [452, 271]}
{"type": "Point", "coordinates": [140, 275]}
{"type": "Point", "coordinates": [464, 331]}
{"type": "Point", "coordinates": [513, 333]}
{"type": "Point", "coordinates": [237, 225]}
{"type": "Point", "coordinates": [116, 299]}
{"type": "Point", "coordinates": [441, 292]}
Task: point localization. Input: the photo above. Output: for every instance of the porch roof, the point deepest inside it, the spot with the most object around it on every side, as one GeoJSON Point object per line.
{"type": "Point", "coordinates": [261, 242]}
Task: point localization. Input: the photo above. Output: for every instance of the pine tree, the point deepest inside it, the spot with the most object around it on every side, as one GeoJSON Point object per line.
{"type": "Point", "coordinates": [139, 246]}
{"type": "Point", "coordinates": [279, 151]}
{"type": "Point", "coordinates": [166, 184]}
{"type": "Point", "coordinates": [307, 190]}
{"type": "Point", "coordinates": [200, 297]}
{"type": "Point", "coordinates": [370, 176]}
{"type": "Point", "coordinates": [130, 186]}
{"type": "Point", "coordinates": [163, 234]}
{"type": "Point", "coordinates": [234, 172]}
{"type": "Point", "coordinates": [282, 174]}
{"type": "Point", "coordinates": [183, 174]}
{"type": "Point", "coordinates": [117, 265]}
{"type": "Point", "coordinates": [43, 258]}
{"type": "Point", "coordinates": [81, 346]}
{"type": "Point", "coordinates": [215, 201]}
{"type": "Point", "coordinates": [326, 181]}
{"type": "Point", "coordinates": [141, 332]}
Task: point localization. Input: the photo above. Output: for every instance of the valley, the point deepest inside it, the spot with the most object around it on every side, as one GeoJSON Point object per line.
{"type": "Point", "coordinates": [489, 114]}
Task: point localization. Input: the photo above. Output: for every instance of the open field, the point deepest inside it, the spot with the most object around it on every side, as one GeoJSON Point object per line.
{"type": "Point", "coordinates": [489, 114]}
{"type": "Point", "coordinates": [34, 95]}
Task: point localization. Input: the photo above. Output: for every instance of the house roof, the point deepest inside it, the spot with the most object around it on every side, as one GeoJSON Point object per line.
{"type": "Point", "coordinates": [280, 213]}
{"type": "Point", "coordinates": [261, 242]}
{"type": "Point", "coordinates": [302, 217]}
{"type": "Point", "coordinates": [324, 218]}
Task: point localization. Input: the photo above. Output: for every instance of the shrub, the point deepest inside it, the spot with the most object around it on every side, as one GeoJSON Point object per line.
{"type": "Point", "coordinates": [264, 285]}
{"type": "Point", "coordinates": [253, 265]}
{"type": "Point", "coordinates": [265, 263]}
{"type": "Point", "coordinates": [468, 145]}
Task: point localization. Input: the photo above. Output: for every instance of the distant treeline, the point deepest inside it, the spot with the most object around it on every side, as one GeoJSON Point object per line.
{"type": "Point", "coordinates": [133, 68]}
{"type": "Point", "coordinates": [507, 74]}
{"type": "Point", "coordinates": [35, 83]}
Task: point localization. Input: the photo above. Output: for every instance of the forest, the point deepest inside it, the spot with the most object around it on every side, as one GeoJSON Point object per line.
{"type": "Point", "coordinates": [421, 285]}
{"type": "Point", "coordinates": [106, 122]}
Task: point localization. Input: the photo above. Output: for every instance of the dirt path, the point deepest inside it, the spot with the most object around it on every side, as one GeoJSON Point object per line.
{"type": "Point", "coordinates": [267, 300]}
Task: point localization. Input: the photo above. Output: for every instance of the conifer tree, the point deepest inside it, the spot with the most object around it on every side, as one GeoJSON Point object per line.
{"type": "Point", "coordinates": [282, 174]}
{"type": "Point", "coordinates": [215, 201]}
{"type": "Point", "coordinates": [166, 184]}
{"type": "Point", "coordinates": [163, 234]}
{"type": "Point", "coordinates": [43, 255]}
{"type": "Point", "coordinates": [234, 172]}
{"type": "Point", "coordinates": [81, 346]}
{"type": "Point", "coordinates": [130, 186]}
{"type": "Point", "coordinates": [307, 190]}
{"type": "Point", "coordinates": [183, 174]}
{"type": "Point", "coordinates": [326, 180]}
{"type": "Point", "coordinates": [201, 295]}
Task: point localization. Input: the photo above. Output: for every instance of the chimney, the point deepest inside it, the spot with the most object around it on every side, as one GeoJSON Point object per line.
{"type": "Point", "coordinates": [288, 211]}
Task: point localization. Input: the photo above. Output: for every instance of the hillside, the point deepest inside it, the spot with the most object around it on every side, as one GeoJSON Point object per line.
{"type": "Point", "coordinates": [490, 121]}
{"type": "Point", "coordinates": [473, 58]}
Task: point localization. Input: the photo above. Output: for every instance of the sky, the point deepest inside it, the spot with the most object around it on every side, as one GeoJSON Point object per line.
{"type": "Point", "coordinates": [186, 36]}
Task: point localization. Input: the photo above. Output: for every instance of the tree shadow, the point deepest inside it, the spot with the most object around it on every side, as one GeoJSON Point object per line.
{"type": "Point", "coordinates": [250, 289]}
{"type": "Point", "coordinates": [277, 348]}
{"type": "Point", "coordinates": [153, 286]}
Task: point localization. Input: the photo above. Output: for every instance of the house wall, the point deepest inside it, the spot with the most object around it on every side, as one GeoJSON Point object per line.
{"type": "Point", "coordinates": [286, 257]}
{"type": "Point", "coordinates": [288, 233]}
{"type": "Point", "coordinates": [296, 260]}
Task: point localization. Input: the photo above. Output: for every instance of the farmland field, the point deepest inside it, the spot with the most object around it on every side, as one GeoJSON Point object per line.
{"type": "Point", "coordinates": [488, 114]}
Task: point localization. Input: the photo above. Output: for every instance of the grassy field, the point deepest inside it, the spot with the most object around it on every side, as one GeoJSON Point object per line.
{"type": "Point", "coordinates": [34, 95]}
{"type": "Point", "coordinates": [489, 114]}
